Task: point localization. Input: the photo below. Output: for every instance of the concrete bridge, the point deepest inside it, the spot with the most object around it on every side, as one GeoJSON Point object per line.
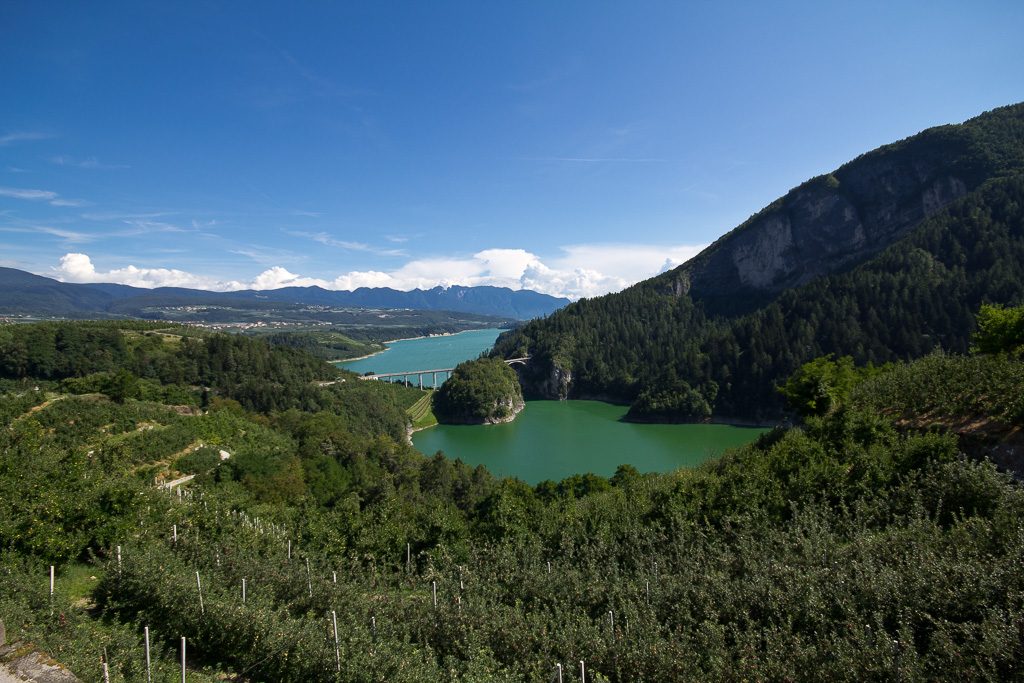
{"type": "Point", "coordinates": [419, 374]}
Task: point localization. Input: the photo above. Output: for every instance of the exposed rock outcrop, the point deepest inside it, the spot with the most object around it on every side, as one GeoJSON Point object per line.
{"type": "Point", "coordinates": [23, 662]}
{"type": "Point", "coordinates": [504, 410]}
{"type": "Point", "coordinates": [545, 379]}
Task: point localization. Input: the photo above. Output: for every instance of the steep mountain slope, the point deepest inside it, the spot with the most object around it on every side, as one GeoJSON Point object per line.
{"type": "Point", "coordinates": [28, 294]}
{"type": "Point", "coordinates": [941, 232]}
{"type": "Point", "coordinates": [837, 220]}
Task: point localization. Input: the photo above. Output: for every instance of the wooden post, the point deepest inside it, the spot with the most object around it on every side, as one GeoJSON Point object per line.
{"type": "Point", "coordinates": [149, 664]}
{"type": "Point", "coordinates": [199, 587]}
{"type": "Point", "coordinates": [337, 648]}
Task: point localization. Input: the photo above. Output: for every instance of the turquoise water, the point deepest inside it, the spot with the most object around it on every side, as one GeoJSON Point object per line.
{"type": "Point", "coordinates": [556, 439]}
{"type": "Point", "coordinates": [428, 353]}
{"type": "Point", "coordinates": [550, 439]}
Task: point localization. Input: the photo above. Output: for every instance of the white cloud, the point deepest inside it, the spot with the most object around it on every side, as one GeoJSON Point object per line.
{"type": "Point", "coordinates": [579, 271]}
{"type": "Point", "coordinates": [11, 138]}
{"type": "Point", "coordinates": [80, 268]}
{"type": "Point", "coordinates": [277, 277]}
{"type": "Point", "coordinates": [31, 195]}
{"type": "Point", "coordinates": [40, 195]}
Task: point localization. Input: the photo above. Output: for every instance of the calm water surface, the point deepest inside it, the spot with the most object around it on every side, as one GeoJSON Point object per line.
{"type": "Point", "coordinates": [426, 354]}
{"type": "Point", "coordinates": [556, 439]}
{"type": "Point", "coordinates": [550, 439]}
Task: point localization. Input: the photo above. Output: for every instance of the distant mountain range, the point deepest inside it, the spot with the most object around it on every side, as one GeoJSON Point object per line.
{"type": "Point", "coordinates": [885, 258]}
{"type": "Point", "coordinates": [23, 293]}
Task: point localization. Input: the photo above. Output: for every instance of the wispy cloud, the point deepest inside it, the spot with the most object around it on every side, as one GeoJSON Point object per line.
{"type": "Point", "coordinates": [122, 216]}
{"type": "Point", "coordinates": [69, 236]}
{"type": "Point", "coordinates": [145, 226]}
{"type": "Point", "coordinates": [329, 241]}
{"type": "Point", "coordinates": [23, 193]}
{"type": "Point", "coordinates": [262, 255]}
{"type": "Point", "coordinates": [34, 195]}
{"type": "Point", "coordinates": [91, 163]}
{"type": "Point", "coordinates": [22, 136]}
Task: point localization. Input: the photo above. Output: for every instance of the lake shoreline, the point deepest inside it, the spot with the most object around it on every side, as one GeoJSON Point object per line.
{"type": "Point", "coordinates": [401, 339]}
{"type": "Point", "coordinates": [552, 440]}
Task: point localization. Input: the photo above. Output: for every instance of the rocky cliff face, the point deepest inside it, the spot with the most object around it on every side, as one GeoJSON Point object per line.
{"type": "Point", "coordinates": [713, 319]}
{"type": "Point", "coordinates": [545, 380]}
{"type": "Point", "coordinates": [829, 223]}
{"type": "Point", "coordinates": [503, 410]}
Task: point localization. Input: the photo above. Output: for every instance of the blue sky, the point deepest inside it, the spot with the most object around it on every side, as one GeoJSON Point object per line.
{"type": "Point", "coordinates": [570, 147]}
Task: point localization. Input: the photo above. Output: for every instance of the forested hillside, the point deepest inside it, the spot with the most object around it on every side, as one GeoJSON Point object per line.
{"type": "Point", "coordinates": [260, 376]}
{"type": "Point", "coordinates": [681, 352]}
{"type": "Point", "coordinates": [843, 550]}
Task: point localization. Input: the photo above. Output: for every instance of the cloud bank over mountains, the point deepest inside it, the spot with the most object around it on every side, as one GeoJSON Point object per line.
{"type": "Point", "coordinates": [579, 271]}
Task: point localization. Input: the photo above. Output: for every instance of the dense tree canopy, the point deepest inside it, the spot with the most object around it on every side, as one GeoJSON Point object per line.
{"type": "Point", "coordinates": [919, 294]}
{"type": "Point", "coordinates": [1000, 330]}
{"type": "Point", "coordinates": [805, 555]}
{"type": "Point", "coordinates": [482, 390]}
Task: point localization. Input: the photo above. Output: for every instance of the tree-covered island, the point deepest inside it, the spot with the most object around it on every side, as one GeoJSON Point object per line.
{"type": "Point", "coordinates": [482, 391]}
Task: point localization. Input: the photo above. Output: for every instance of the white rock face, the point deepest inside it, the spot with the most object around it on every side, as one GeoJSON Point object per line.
{"type": "Point", "coordinates": [760, 262]}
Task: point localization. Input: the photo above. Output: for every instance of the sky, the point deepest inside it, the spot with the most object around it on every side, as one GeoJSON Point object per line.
{"type": "Point", "coordinates": [568, 147]}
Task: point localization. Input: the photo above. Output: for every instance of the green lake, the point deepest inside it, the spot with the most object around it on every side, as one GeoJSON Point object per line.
{"type": "Point", "coordinates": [551, 439]}
{"type": "Point", "coordinates": [556, 439]}
{"type": "Point", "coordinates": [426, 353]}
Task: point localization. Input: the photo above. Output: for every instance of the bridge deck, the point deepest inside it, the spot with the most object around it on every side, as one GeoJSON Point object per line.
{"type": "Point", "coordinates": [408, 373]}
